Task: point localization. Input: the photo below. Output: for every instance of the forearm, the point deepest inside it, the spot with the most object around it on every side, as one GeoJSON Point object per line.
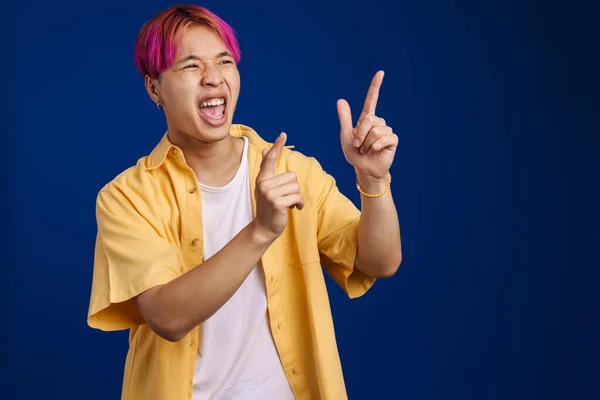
{"type": "Point", "coordinates": [379, 247]}
{"type": "Point", "coordinates": [184, 303]}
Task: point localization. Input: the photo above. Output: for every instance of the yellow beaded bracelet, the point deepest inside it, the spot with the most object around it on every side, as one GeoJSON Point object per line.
{"type": "Point", "coordinates": [373, 195]}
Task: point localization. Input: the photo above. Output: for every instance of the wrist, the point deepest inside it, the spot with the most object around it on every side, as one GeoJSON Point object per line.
{"type": "Point", "coordinates": [259, 236]}
{"type": "Point", "coordinates": [372, 184]}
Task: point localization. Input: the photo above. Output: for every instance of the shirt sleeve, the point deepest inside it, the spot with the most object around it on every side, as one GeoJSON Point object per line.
{"type": "Point", "coordinates": [130, 257]}
{"type": "Point", "coordinates": [337, 234]}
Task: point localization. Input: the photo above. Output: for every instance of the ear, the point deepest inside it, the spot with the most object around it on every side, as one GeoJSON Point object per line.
{"type": "Point", "coordinates": [153, 89]}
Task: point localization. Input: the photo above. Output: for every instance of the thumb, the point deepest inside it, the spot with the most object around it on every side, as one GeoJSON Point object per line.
{"type": "Point", "coordinates": [345, 116]}
{"type": "Point", "coordinates": [267, 166]}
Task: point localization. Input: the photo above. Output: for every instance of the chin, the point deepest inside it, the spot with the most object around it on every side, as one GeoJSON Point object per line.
{"type": "Point", "coordinates": [209, 134]}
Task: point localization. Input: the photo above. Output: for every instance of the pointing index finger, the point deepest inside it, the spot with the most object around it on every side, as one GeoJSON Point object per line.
{"type": "Point", "coordinates": [267, 168]}
{"type": "Point", "coordinates": [373, 94]}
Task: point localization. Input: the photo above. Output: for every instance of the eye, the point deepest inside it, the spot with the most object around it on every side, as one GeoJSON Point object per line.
{"type": "Point", "coordinates": [226, 62]}
{"type": "Point", "coordinates": [191, 66]}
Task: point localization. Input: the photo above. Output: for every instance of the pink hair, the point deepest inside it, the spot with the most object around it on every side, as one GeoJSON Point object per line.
{"type": "Point", "coordinates": [156, 43]}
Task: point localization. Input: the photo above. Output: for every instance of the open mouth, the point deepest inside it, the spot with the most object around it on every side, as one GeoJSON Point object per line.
{"type": "Point", "coordinates": [213, 110]}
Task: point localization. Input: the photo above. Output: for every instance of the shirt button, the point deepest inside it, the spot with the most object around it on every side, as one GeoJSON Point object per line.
{"type": "Point", "coordinates": [192, 190]}
{"type": "Point", "coordinates": [175, 151]}
{"type": "Point", "coordinates": [195, 242]}
{"type": "Point", "coordinates": [272, 280]}
{"type": "Point", "coordinates": [278, 326]}
{"type": "Point", "coordinates": [294, 372]}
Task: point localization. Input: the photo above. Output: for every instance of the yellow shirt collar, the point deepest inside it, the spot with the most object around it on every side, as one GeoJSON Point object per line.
{"type": "Point", "coordinates": [159, 153]}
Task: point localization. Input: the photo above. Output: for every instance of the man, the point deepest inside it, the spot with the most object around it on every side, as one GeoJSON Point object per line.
{"type": "Point", "coordinates": [211, 249]}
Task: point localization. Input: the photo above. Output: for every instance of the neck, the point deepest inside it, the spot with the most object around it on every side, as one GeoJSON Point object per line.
{"type": "Point", "coordinates": [214, 163]}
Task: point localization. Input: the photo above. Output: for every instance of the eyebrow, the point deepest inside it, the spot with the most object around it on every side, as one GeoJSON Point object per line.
{"type": "Point", "coordinates": [195, 57]}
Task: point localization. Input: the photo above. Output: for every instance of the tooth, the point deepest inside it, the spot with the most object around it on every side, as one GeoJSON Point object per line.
{"type": "Point", "coordinates": [213, 102]}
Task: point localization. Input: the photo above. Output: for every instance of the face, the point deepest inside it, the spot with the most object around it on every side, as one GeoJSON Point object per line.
{"type": "Point", "coordinates": [199, 92]}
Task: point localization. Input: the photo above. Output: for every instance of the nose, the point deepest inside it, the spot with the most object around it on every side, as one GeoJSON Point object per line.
{"type": "Point", "coordinates": [212, 76]}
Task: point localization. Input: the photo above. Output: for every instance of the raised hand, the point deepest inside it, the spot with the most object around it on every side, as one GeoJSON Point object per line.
{"type": "Point", "coordinates": [275, 194]}
{"type": "Point", "coordinates": [371, 145]}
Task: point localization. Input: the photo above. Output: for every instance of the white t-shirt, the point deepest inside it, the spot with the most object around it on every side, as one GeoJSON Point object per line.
{"type": "Point", "coordinates": [238, 359]}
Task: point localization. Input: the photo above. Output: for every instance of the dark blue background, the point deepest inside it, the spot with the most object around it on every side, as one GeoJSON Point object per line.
{"type": "Point", "coordinates": [496, 105]}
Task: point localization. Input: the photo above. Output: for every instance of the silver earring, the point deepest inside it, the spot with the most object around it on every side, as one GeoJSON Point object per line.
{"type": "Point", "coordinates": [159, 106]}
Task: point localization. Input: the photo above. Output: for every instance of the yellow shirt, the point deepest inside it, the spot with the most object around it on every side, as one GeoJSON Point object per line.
{"type": "Point", "coordinates": [150, 232]}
